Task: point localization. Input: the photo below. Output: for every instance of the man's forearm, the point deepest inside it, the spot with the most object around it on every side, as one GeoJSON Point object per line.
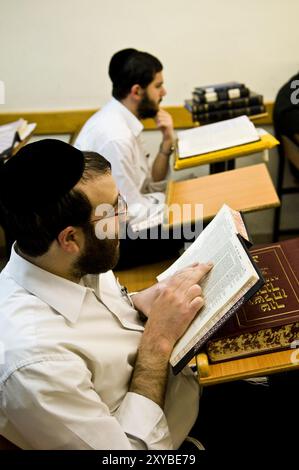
{"type": "Point", "coordinates": [160, 167]}
{"type": "Point", "coordinates": [161, 163]}
{"type": "Point", "coordinates": [151, 370]}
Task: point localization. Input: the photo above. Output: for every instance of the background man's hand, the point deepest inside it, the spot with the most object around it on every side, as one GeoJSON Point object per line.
{"type": "Point", "coordinates": [165, 124]}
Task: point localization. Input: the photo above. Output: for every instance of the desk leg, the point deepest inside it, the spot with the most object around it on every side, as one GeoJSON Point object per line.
{"type": "Point", "coordinates": [217, 167]}
{"type": "Point", "coordinates": [222, 166]}
{"type": "Point", "coordinates": [230, 164]}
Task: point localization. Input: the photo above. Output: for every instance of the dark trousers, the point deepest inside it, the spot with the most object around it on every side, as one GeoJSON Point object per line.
{"type": "Point", "coordinates": [242, 415]}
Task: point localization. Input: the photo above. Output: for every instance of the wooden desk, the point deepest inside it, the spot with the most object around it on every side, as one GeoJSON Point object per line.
{"type": "Point", "coordinates": [246, 189]}
{"type": "Point", "coordinates": [221, 157]}
{"type": "Point", "coordinates": [255, 366]}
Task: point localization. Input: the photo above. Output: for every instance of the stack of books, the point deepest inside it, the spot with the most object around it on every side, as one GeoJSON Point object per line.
{"type": "Point", "coordinates": [222, 101]}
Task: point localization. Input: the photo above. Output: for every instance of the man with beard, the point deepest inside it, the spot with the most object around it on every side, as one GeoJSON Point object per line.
{"type": "Point", "coordinates": [116, 133]}
{"type": "Point", "coordinates": [79, 367]}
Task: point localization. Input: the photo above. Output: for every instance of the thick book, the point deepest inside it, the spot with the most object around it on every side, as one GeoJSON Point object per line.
{"type": "Point", "coordinates": [219, 87]}
{"type": "Point", "coordinates": [216, 136]}
{"type": "Point", "coordinates": [220, 95]}
{"type": "Point", "coordinates": [252, 100]}
{"type": "Point", "coordinates": [269, 321]}
{"type": "Point", "coordinates": [13, 133]}
{"type": "Point", "coordinates": [233, 280]}
{"type": "Point", "coordinates": [206, 118]}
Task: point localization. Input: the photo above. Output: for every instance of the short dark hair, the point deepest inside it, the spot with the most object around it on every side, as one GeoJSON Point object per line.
{"type": "Point", "coordinates": [36, 230]}
{"type": "Point", "coordinates": [129, 67]}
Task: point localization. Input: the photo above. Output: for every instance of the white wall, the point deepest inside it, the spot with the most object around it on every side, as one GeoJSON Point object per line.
{"type": "Point", "coordinates": [55, 54]}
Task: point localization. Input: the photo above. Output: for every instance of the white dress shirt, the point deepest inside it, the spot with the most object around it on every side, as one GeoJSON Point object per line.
{"type": "Point", "coordinates": [68, 355]}
{"type": "Point", "coordinates": [116, 133]}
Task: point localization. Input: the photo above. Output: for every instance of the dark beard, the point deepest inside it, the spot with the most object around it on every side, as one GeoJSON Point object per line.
{"type": "Point", "coordinates": [99, 256]}
{"type": "Point", "coordinates": [147, 108]}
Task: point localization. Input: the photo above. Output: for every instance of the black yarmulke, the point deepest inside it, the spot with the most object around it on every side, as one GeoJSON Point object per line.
{"type": "Point", "coordinates": [118, 62]}
{"type": "Point", "coordinates": [39, 174]}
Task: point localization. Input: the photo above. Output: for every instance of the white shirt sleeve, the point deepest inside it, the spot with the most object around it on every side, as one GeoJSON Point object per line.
{"type": "Point", "coordinates": [124, 169]}
{"type": "Point", "coordinates": [53, 405]}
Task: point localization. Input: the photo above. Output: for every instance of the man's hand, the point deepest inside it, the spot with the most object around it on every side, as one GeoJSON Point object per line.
{"type": "Point", "coordinates": [161, 164]}
{"type": "Point", "coordinates": [143, 300]}
{"type": "Point", "coordinates": [165, 124]}
{"type": "Point", "coordinates": [178, 300]}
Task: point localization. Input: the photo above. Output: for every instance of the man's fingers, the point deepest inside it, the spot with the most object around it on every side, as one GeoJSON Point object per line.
{"type": "Point", "coordinates": [163, 118]}
{"type": "Point", "coordinates": [193, 292]}
{"type": "Point", "coordinates": [196, 304]}
{"type": "Point", "coordinates": [187, 278]}
{"type": "Point", "coordinates": [187, 269]}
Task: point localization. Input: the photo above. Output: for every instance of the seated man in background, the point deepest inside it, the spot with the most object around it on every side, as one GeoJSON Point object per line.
{"type": "Point", "coordinates": [116, 133]}
{"type": "Point", "coordinates": [79, 368]}
{"type": "Point", "coordinates": [286, 116]}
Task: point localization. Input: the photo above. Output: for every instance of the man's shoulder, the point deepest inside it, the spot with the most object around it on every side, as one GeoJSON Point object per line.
{"type": "Point", "coordinates": [28, 327]}
{"type": "Point", "coordinates": [105, 126]}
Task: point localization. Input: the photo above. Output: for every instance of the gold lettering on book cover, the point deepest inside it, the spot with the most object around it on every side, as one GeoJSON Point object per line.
{"type": "Point", "coordinates": [268, 297]}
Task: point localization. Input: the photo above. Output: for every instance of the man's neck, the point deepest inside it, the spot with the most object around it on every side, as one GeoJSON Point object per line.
{"type": "Point", "coordinates": [46, 263]}
{"type": "Point", "coordinates": [130, 105]}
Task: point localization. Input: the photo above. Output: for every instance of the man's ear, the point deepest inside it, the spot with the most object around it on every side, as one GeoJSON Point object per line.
{"type": "Point", "coordinates": [137, 92]}
{"type": "Point", "coordinates": [71, 240]}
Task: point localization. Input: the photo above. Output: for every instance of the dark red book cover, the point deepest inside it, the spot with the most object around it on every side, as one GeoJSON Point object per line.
{"type": "Point", "coordinates": [270, 319]}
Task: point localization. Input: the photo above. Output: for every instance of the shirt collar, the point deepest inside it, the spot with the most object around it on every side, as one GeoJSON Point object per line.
{"type": "Point", "coordinates": [66, 297]}
{"type": "Point", "coordinates": [132, 121]}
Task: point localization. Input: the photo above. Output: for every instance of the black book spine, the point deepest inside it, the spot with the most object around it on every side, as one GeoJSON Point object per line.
{"type": "Point", "coordinates": [197, 108]}
{"type": "Point", "coordinates": [215, 116]}
{"type": "Point", "coordinates": [220, 95]}
{"type": "Point", "coordinates": [219, 87]}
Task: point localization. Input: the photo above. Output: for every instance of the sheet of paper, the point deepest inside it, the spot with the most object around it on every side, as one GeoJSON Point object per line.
{"type": "Point", "coordinates": [216, 136]}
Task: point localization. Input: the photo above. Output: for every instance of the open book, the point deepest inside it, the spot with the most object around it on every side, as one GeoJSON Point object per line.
{"type": "Point", "coordinates": [216, 136]}
{"type": "Point", "coordinates": [11, 134]}
{"type": "Point", "coordinates": [232, 281]}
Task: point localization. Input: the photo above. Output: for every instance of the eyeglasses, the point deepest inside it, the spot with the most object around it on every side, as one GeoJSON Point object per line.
{"type": "Point", "coordinates": [121, 208]}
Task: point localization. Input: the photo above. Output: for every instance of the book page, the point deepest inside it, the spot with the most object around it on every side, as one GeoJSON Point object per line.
{"type": "Point", "coordinates": [7, 140]}
{"type": "Point", "coordinates": [216, 234]}
{"type": "Point", "coordinates": [8, 134]}
{"type": "Point", "coordinates": [12, 126]}
{"type": "Point", "coordinates": [239, 224]}
{"type": "Point", "coordinates": [26, 130]}
{"type": "Point", "coordinates": [216, 136]}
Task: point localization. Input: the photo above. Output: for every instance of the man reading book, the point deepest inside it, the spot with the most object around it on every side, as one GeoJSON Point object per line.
{"type": "Point", "coordinates": [79, 367]}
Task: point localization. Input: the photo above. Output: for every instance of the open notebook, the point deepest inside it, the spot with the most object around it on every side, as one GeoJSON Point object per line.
{"type": "Point", "coordinates": [216, 136]}
{"type": "Point", "coordinates": [12, 133]}
{"type": "Point", "coordinates": [232, 281]}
